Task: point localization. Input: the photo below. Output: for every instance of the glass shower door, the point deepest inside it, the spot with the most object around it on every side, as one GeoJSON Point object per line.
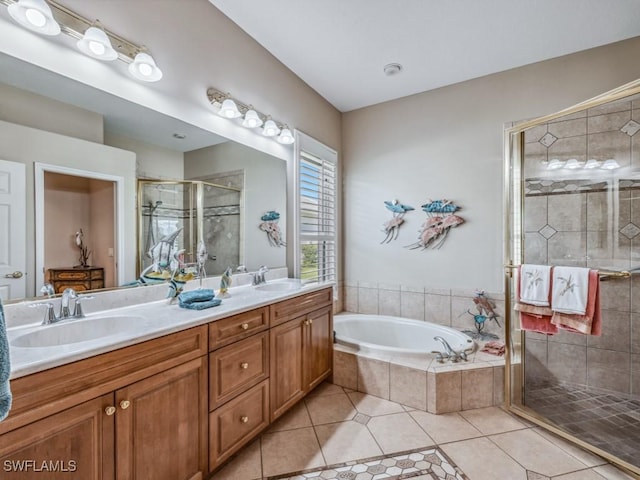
{"type": "Point", "coordinates": [573, 199]}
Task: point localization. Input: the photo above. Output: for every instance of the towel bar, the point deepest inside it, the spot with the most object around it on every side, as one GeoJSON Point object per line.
{"type": "Point", "coordinates": [604, 274]}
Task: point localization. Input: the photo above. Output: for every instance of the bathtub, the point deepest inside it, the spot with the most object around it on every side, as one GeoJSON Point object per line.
{"type": "Point", "coordinates": [395, 336]}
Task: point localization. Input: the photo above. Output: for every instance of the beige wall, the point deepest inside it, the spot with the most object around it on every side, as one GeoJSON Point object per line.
{"type": "Point", "coordinates": [448, 143]}
{"type": "Point", "coordinates": [265, 187]}
{"type": "Point", "coordinates": [28, 146]}
{"type": "Point", "coordinates": [102, 220]}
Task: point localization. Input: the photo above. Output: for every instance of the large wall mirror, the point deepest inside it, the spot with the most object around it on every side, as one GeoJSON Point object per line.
{"type": "Point", "coordinates": [61, 128]}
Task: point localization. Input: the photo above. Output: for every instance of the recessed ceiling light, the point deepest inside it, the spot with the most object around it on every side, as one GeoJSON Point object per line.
{"type": "Point", "coordinates": [179, 136]}
{"type": "Point", "coordinates": [392, 69]}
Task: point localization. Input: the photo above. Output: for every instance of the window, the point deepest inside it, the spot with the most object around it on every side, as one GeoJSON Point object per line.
{"type": "Point", "coordinates": [316, 216]}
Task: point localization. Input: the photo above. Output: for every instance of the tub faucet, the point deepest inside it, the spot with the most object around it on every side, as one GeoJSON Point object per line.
{"type": "Point", "coordinates": [449, 353]}
{"type": "Point", "coordinates": [67, 295]}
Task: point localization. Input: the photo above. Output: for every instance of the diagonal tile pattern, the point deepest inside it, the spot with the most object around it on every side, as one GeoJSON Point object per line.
{"type": "Point", "coordinates": [480, 444]}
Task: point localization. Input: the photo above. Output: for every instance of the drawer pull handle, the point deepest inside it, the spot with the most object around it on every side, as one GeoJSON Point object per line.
{"type": "Point", "coordinates": [244, 326]}
{"type": "Point", "coordinates": [110, 410]}
{"type": "Point", "coordinates": [124, 404]}
{"type": "Point", "coordinates": [244, 365]}
{"type": "Point", "coordinates": [244, 419]}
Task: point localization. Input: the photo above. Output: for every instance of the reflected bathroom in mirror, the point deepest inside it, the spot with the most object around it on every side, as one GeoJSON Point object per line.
{"type": "Point", "coordinates": [49, 119]}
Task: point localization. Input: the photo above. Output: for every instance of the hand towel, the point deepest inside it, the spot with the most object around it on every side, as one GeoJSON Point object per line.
{"type": "Point", "coordinates": [5, 369]}
{"type": "Point", "coordinates": [535, 282]}
{"type": "Point", "coordinates": [201, 305]}
{"type": "Point", "coordinates": [534, 318]}
{"type": "Point", "coordinates": [591, 322]}
{"type": "Point", "coordinates": [494, 348]}
{"type": "Point", "coordinates": [199, 295]}
{"type": "Point", "coordinates": [570, 290]}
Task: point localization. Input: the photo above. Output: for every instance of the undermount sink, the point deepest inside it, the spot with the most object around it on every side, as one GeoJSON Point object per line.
{"type": "Point", "coordinates": [76, 331]}
{"type": "Point", "coordinates": [286, 285]}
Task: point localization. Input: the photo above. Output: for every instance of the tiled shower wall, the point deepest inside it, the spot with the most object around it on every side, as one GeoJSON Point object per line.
{"type": "Point", "coordinates": [588, 218]}
{"type": "Point", "coordinates": [442, 306]}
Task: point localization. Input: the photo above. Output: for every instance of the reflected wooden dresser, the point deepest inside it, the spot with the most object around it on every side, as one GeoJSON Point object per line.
{"type": "Point", "coordinates": [80, 278]}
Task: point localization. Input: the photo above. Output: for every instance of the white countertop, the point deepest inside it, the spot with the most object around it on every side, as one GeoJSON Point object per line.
{"type": "Point", "coordinates": [158, 318]}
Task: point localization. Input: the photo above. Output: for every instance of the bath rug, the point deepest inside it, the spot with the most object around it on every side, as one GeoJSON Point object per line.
{"type": "Point", "coordinates": [426, 461]}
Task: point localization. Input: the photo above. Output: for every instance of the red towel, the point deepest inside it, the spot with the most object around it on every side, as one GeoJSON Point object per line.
{"type": "Point", "coordinates": [532, 318]}
{"type": "Point", "coordinates": [591, 322]}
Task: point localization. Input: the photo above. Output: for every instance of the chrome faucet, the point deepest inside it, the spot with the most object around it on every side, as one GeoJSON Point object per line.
{"type": "Point", "coordinates": [47, 289]}
{"type": "Point", "coordinates": [67, 294]}
{"type": "Point", "coordinates": [449, 353]}
{"type": "Point", "coordinates": [258, 277]}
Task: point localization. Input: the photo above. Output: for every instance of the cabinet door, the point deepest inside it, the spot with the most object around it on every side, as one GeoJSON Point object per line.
{"type": "Point", "coordinates": [161, 425]}
{"type": "Point", "coordinates": [74, 444]}
{"type": "Point", "coordinates": [317, 356]}
{"type": "Point", "coordinates": [287, 378]}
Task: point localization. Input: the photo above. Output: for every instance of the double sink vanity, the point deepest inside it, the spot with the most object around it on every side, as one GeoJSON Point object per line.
{"type": "Point", "coordinates": [155, 391]}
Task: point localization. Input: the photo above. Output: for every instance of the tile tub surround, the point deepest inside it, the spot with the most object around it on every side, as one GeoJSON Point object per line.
{"type": "Point", "coordinates": [485, 444]}
{"type": "Point", "coordinates": [423, 384]}
{"type": "Point", "coordinates": [446, 307]}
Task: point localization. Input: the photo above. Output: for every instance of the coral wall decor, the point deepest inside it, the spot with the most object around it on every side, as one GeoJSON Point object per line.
{"type": "Point", "coordinates": [270, 226]}
{"type": "Point", "coordinates": [440, 219]}
{"type": "Point", "coordinates": [392, 226]}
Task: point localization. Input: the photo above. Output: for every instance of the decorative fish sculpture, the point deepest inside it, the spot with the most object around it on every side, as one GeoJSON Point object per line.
{"type": "Point", "coordinates": [440, 206]}
{"type": "Point", "coordinates": [270, 216]}
{"type": "Point", "coordinates": [397, 207]}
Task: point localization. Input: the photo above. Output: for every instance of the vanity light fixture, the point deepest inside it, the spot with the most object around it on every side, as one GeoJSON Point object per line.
{"type": "Point", "coordinates": [572, 164]}
{"type": "Point", "coordinates": [286, 137]}
{"type": "Point", "coordinates": [592, 163]}
{"type": "Point", "coordinates": [610, 164]}
{"type": "Point", "coordinates": [96, 44]}
{"type": "Point", "coordinates": [251, 119]}
{"type": "Point", "coordinates": [34, 15]}
{"type": "Point", "coordinates": [51, 18]}
{"type": "Point", "coordinates": [231, 108]}
{"type": "Point", "coordinates": [555, 164]}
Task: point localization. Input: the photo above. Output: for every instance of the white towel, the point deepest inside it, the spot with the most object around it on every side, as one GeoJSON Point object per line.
{"type": "Point", "coordinates": [535, 281]}
{"type": "Point", "coordinates": [570, 290]}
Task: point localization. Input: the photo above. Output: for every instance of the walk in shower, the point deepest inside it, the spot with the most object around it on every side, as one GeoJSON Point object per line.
{"type": "Point", "coordinates": [205, 211]}
{"type": "Point", "coordinates": [573, 199]}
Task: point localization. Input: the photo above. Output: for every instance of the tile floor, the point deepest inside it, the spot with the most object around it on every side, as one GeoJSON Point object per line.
{"type": "Point", "coordinates": [608, 421]}
{"type": "Point", "coordinates": [334, 425]}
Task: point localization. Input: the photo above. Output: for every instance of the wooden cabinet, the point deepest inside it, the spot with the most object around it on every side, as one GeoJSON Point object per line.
{"type": "Point", "coordinates": [301, 357]}
{"type": "Point", "coordinates": [77, 443]}
{"type": "Point", "coordinates": [161, 430]}
{"type": "Point", "coordinates": [80, 279]}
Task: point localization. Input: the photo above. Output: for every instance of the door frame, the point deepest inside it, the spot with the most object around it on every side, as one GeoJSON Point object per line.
{"type": "Point", "coordinates": [39, 170]}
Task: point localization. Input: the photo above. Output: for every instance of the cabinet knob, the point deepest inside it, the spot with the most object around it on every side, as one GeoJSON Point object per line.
{"type": "Point", "coordinates": [124, 404]}
{"type": "Point", "coordinates": [307, 322]}
{"type": "Point", "coordinates": [244, 419]}
{"type": "Point", "coordinates": [244, 326]}
{"type": "Point", "coordinates": [311, 321]}
{"type": "Point", "coordinates": [110, 410]}
{"type": "Point", "coordinates": [244, 365]}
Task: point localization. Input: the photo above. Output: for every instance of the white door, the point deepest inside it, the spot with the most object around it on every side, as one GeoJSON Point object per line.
{"type": "Point", "coordinates": [13, 227]}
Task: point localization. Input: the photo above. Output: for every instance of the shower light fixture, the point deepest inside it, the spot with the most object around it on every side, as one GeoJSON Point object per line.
{"type": "Point", "coordinates": [51, 18]}
{"type": "Point", "coordinates": [34, 15]}
{"type": "Point", "coordinates": [231, 108]}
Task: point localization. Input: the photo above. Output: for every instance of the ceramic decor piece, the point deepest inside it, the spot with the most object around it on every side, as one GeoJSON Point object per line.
{"type": "Point", "coordinates": [392, 226]}
{"type": "Point", "coordinates": [440, 219]}
{"type": "Point", "coordinates": [270, 226]}
{"type": "Point", "coordinates": [485, 308]}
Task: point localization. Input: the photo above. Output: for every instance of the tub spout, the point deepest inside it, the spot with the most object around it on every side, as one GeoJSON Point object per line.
{"type": "Point", "coordinates": [449, 352]}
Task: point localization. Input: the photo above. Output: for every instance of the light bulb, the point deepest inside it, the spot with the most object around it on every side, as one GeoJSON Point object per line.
{"type": "Point", "coordinates": [97, 48]}
{"type": "Point", "coordinates": [144, 68]}
{"type": "Point", "coordinates": [35, 15]}
{"type": "Point", "coordinates": [251, 119]}
{"type": "Point", "coordinates": [286, 137]}
{"type": "Point", "coordinates": [96, 44]}
{"type": "Point", "coordinates": [229, 109]}
{"type": "Point", "coordinates": [270, 129]}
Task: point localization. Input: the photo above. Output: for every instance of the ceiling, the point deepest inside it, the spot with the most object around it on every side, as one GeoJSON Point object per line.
{"type": "Point", "coordinates": [339, 47]}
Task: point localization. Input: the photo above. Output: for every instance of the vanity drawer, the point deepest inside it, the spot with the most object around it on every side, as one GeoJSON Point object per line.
{"type": "Point", "coordinates": [237, 422]}
{"type": "Point", "coordinates": [237, 367]}
{"type": "Point", "coordinates": [229, 330]}
{"type": "Point", "coordinates": [294, 307]}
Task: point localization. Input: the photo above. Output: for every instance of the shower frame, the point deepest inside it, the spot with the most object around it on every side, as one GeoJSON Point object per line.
{"type": "Point", "coordinates": [513, 248]}
{"type": "Point", "coordinates": [195, 223]}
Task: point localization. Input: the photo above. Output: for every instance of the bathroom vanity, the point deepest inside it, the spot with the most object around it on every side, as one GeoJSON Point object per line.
{"type": "Point", "coordinates": [176, 406]}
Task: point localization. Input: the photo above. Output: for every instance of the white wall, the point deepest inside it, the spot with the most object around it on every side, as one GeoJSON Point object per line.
{"type": "Point", "coordinates": [265, 187]}
{"type": "Point", "coordinates": [448, 143]}
{"type": "Point", "coordinates": [27, 145]}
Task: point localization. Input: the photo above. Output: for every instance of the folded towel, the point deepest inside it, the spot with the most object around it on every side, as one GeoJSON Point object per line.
{"type": "Point", "coordinates": [570, 290]}
{"type": "Point", "coordinates": [201, 305]}
{"type": "Point", "coordinates": [199, 295]}
{"type": "Point", "coordinates": [535, 282]}
{"type": "Point", "coordinates": [494, 348]}
{"type": "Point", "coordinates": [5, 369]}
{"type": "Point", "coordinates": [591, 322]}
{"type": "Point", "coordinates": [534, 318]}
